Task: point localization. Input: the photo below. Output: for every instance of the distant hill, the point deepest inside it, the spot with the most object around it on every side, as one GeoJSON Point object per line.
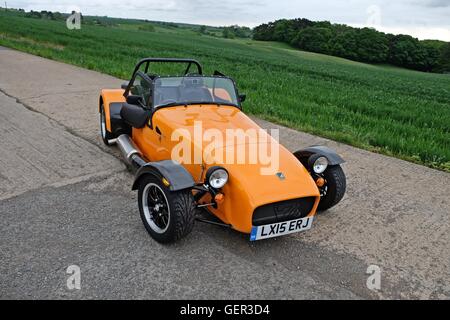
{"type": "Point", "coordinates": [359, 44]}
{"type": "Point", "coordinates": [229, 32]}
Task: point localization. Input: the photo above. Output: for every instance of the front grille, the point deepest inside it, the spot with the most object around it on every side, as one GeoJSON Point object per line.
{"type": "Point", "coordinates": [283, 211]}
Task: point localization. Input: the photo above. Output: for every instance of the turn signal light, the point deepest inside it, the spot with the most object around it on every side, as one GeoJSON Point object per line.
{"type": "Point", "coordinates": [165, 182]}
{"type": "Point", "coordinates": [219, 197]}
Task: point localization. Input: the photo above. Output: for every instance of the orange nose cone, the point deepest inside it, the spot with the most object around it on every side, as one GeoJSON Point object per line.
{"type": "Point", "coordinates": [320, 182]}
{"type": "Point", "coordinates": [219, 197]}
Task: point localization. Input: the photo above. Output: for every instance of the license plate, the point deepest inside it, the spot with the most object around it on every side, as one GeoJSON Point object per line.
{"type": "Point", "coordinates": [280, 228]}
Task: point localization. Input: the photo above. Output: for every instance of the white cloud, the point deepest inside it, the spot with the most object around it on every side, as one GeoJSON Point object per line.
{"type": "Point", "coordinates": [420, 18]}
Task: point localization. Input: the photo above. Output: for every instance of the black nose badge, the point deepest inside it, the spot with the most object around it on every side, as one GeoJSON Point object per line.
{"type": "Point", "coordinates": [280, 175]}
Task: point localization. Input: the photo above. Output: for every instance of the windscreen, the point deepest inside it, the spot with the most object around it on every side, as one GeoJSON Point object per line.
{"type": "Point", "coordinates": [194, 90]}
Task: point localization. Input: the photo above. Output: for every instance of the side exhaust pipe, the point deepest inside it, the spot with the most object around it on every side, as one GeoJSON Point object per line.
{"type": "Point", "coordinates": [130, 151]}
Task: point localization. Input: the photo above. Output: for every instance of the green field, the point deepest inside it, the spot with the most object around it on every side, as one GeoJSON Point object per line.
{"type": "Point", "coordinates": [380, 108]}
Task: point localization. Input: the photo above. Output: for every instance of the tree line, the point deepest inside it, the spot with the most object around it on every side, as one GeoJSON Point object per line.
{"type": "Point", "coordinates": [44, 14]}
{"type": "Point", "coordinates": [359, 44]}
{"type": "Point", "coordinates": [228, 32]}
{"type": "Point", "coordinates": [236, 31]}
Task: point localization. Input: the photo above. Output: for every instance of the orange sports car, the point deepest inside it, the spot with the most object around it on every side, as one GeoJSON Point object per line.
{"type": "Point", "coordinates": [198, 157]}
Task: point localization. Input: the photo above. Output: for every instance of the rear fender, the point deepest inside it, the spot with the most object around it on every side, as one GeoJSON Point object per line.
{"type": "Point", "coordinates": [177, 176]}
{"type": "Point", "coordinates": [110, 98]}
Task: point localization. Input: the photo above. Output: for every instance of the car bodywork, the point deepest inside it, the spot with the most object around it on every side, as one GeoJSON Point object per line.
{"type": "Point", "coordinates": [249, 198]}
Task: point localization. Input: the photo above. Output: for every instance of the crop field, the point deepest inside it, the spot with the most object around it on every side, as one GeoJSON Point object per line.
{"type": "Point", "coordinates": [380, 108]}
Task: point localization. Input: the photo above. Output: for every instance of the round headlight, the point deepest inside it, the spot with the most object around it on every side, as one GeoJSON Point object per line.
{"type": "Point", "coordinates": [217, 177]}
{"type": "Point", "coordinates": [320, 165]}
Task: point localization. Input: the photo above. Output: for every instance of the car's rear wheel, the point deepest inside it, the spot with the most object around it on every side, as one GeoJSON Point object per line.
{"type": "Point", "coordinates": [167, 215]}
{"type": "Point", "coordinates": [105, 134]}
{"type": "Point", "coordinates": [334, 188]}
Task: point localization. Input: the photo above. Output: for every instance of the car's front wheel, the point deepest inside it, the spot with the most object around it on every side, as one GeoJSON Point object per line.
{"type": "Point", "coordinates": [167, 215]}
{"type": "Point", "coordinates": [334, 188]}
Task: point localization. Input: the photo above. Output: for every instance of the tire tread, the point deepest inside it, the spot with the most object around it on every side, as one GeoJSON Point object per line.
{"type": "Point", "coordinates": [336, 176]}
{"type": "Point", "coordinates": [184, 207]}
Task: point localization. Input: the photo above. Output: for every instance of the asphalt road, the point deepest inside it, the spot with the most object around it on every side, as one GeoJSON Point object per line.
{"type": "Point", "coordinates": [65, 199]}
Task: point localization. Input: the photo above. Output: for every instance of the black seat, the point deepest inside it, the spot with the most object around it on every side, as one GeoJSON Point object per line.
{"type": "Point", "coordinates": [196, 94]}
{"type": "Point", "coordinates": [166, 93]}
{"type": "Point", "coordinates": [134, 116]}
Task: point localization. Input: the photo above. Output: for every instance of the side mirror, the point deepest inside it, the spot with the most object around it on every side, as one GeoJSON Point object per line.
{"type": "Point", "coordinates": [136, 100]}
{"type": "Point", "coordinates": [124, 85]}
{"type": "Point", "coordinates": [242, 97]}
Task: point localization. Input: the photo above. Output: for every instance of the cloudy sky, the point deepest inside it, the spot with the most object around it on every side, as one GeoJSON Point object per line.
{"type": "Point", "coordinates": [425, 19]}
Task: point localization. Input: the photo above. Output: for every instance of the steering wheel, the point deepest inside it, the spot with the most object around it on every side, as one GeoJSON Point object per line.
{"type": "Point", "coordinates": [192, 82]}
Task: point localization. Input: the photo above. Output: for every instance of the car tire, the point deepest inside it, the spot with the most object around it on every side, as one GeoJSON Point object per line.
{"type": "Point", "coordinates": [157, 201]}
{"type": "Point", "coordinates": [334, 188]}
{"type": "Point", "coordinates": [104, 133]}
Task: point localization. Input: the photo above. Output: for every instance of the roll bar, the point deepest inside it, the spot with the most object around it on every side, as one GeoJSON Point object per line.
{"type": "Point", "coordinates": [147, 62]}
{"type": "Point", "coordinates": [190, 62]}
